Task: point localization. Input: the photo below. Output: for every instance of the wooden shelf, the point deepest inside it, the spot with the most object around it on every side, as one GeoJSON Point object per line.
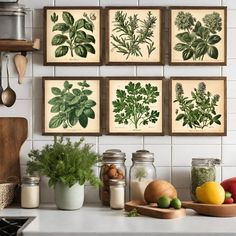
{"type": "Point", "coordinates": [19, 45]}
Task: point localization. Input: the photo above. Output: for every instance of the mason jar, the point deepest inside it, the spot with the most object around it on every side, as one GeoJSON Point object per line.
{"type": "Point", "coordinates": [142, 172]}
{"type": "Point", "coordinates": [202, 170]}
{"type": "Point", "coordinates": [113, 167]}
{"type": "Point", "coordinates": [30, 192]}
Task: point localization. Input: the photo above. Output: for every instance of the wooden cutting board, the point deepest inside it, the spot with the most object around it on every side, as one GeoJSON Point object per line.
{"type": "Point", "coordinates": [13, 133]}
{"type": "Point", "coordinates": [153, 211]}
{"type": "Point", "coordinates": [224, 210]}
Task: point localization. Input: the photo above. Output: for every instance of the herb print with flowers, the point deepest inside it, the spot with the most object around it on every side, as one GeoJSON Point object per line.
{"type": "Point", "coordinates": [199, 110]}
{"type": "Point", "coordinates": [199, 38]}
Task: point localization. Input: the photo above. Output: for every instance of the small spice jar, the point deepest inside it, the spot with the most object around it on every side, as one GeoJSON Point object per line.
{"type": "Point", "coordinates": [113, 167]}
{"type": "Point", "coordinates": [142, 172]}
{"type": "Point", "coordinates": [30, 192]}
{"type": "Point", "coordinates": [117, 194]}
{"type": "Point", "coordinates": [203, 170]}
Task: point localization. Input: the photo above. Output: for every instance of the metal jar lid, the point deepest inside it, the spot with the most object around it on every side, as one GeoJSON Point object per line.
{"type": "Point", "coordinates": [142, 155]}
{"type": "Point", "coordinates": [12, 8]}
{"type": "Point", "coordinates": [116, 182]}
{"type": "Point", "coordinates": [113, 154]}
{"type": "Point", "coordinates": [205, 161]}
{"type": "Point", "coordinates": [27, 179]}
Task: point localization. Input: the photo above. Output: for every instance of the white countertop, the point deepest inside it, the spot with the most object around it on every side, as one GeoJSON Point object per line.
{"type": "Point", "coordinates": [93, 220]}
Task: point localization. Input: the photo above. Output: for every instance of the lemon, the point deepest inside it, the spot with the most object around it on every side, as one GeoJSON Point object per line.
{"type": "Point", "coordinates": [164, 202]}
{"type": "Point", "coordinates": [176, 203]}
{"type": "Point", "coordinates": [210, 193]}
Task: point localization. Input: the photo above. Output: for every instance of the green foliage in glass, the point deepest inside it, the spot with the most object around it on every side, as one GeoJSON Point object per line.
{"type": "Point", "coordinates": [73, 35]}
{"type": "Point", "coordinates": [141, 173]}
{"type": "Point", "coordinates": [71, 105]}
{"type": "Point", "coordinates": [132, 32]}
{"type": "Point", "coordinates": [65, 162]}
{"type": "Point", "coordinates": [199, 111]}
{"type": "Point", "coordinates": [199, 38]}
{"type": "Point", "coordinates": [132, 105]}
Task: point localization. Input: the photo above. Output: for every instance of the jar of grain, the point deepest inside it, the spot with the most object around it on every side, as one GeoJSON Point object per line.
{"type": "Point", "coordinates": [113, 167]}
{"type": "Point", "coordinates": [30, 192]}
{"type": "Point", "coordinates": [142, 172]}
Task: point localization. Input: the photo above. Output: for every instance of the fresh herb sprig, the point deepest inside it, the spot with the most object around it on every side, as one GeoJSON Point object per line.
{"type": "Point", "coordinates": [141, 173]}
{"type": "Point", "coordinates": [199, 111]}
{"type": "Point", "coordinates": [199, 37]}
{"type": "Point", "coordinates": [132, 105]}
{"type": "Point", "coordinates": [71, 105]}
{"type": "Point", "coordinates": [133, 213]}
{"type": "Point", "coordinates": [65, 162]}
{"type": "Point", "coordinates": [73, 36]}
{"type": "Point", "coordinates": [132, 32]}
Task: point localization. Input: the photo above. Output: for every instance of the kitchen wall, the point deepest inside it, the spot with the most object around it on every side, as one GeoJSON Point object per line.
{"type": "Point", "coordinates": [172, 154]}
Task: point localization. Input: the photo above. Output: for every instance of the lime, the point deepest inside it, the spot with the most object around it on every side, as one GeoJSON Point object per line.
{"type": "Point", "coordinates": [164, 202]}
{"type": "Point", "coordinates": [176, 203]}
{"type": "Point", "coordinates": [227, 195]}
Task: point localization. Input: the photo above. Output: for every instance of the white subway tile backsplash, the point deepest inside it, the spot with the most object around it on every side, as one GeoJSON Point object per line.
{"type": "Point", "coordinates": [91, 195]}
{"type": "Point", "coordinates": [77, 3]}
{"type": "Point", "coordinates": [231, 106]}
{"type": "Point", "coordinates": [231, 43]}
{"type": "Point", "coordinates": [117, 71]}
{"type": "Point", "coordinates": [230, 69]}
{"type": "Point", "coordinates": [229, 155]}
{"type": "Point", "coordinates": [229, 3]}
{"type": "Point", "coordinates": [157, 140]}
{"type": "Point", "coordinates": [228, 172]}
{"type": "Point", "coordinates": [232, 122]}
{"type": "Point", "coordinates": [162, 154]}
{"type": "Point", "coordinates": [191, 71]}
{"type": "Point", "coordinates": [28, 18]}
{"type": "Point", "coordinates": [105, 139]}
{"type": "Point", "coordinates": [36, 4]}
{"type": "Point", "coordinates": [184, 194]}
{"type": "Point", "coordinates": [230, 138]}
{"type": "Point", "coordinates": [149, 70]}
{"type": "Point", "coordinates": [163, 173]}
{"type": "Point", "coordinates": [179, 3]}
{"type": "Point", "coordinates": [118, 3]}
{"type": "Point", "coordinates": [231, 87]}
{"type": "Point", "coordinates": [182, 154]}
{"type": "Point", "coordinates": [181, 177]}
{"type": "Point", "coordinates": [195, 140]}
{"type": "Point", "coordinates": [46, 193]}
{"type": "Point", "coordinates": [25, 149]}
{"type": "Point", "coordinates": [76, 71]}
{"type": "Point", "coordinates": [231, 18]}
{"type": "Point", "coordinates": [38, 18]}
{"type": "Point", "coordinates": [39, 69]}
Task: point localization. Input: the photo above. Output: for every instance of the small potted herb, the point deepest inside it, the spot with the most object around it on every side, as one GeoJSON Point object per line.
{"type": "Point", "coordinates": [67, 165]}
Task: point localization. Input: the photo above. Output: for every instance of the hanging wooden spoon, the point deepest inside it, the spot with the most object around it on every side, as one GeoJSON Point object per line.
{"type": "Point", "coordinates": [21, 64]}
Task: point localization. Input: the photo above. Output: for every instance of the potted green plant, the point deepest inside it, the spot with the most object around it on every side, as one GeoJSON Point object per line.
{"type": "Point", "coordinates": [67, 165]}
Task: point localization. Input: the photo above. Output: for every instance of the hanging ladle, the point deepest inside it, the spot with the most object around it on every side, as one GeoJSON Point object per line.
{"type": "Point", "coordinates": [8, 95]}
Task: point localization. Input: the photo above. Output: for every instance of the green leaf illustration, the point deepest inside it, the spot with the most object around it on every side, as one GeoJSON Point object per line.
{"type": "Point", "coordinates": [81, 51]}
{"type": "Point", "coordinates": [89, 48]}
{"type": "Point", "coordinates": [83, 120]}
{"type": "Point", "coordinates": [213, 52]}
{"type": "Point", "coordinates": [61, 51]}
{"type": "Point", "coordinates": [68, 18]}
{"type": "Point", "coordinates": [56, 91]}
{"type": "Point", "coordinates": [61, 27]}
{"type": "Point", "coordinates": [56, 121]}
{"type": "Point", "coordinates": [58, 39]}
{"type": "Point", "coordinates": [214, 39]}
{"type": "Point", "coordinates": [187, 54]}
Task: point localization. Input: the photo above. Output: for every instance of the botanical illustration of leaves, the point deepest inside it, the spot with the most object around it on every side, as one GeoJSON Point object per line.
{"type": "Point", "coordinates": [89, 48]}
{"type": "Point", "coordinates": [184, 37]}
{"type": "Point", "coordinates": [187, 54]}
{"type": "Point", "coordinates": [59, 39]}
{"type": "Point", "coordinates": [213, 52]}
{"type": "Point", "coordinates": [88, 26]}
{"type": "Point", "coordinates": [54, 100]}
{"type": "Point", "coordinates": [56, 91]}
{"type": "Point", "coordinates": [83, 120]}
{"type": "Point", "coordinates": [90, 38]}
{"type": "Point", "coordinates": [55, 109]}
{"type": "Point", "coordinates": [214, 39]}
{"type": "Point", "coordinates": [181, 46]}
{"type": "Point", "coordinates": [89, 113]}
{"type": "Point", "coordinates": [68, 18]}
{"type": "Point", "coordinates": [90, 103]}
{"type": "Point", "coordinates": [56, 121]}
{"type": "Point", "coordinates": [61, 51]}
{"type": "Point", "coordinates": [79, 24]}
{"type": "Point", "coordinates": [61, 27]}
{"type": "Point", "coordinates": [81, 51]}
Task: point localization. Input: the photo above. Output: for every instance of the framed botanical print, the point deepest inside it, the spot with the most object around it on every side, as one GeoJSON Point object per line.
{"type": "Point", "coordinates": [71, 106]}
{"type": "Point", "coordinates": [198, 35]}
{"type": "Point", "coordinates": [72, 36]}
{"type": "Point", "coordinates": [134, 106]}
{"type": "Point", "coordinates": [134, 35]}
{"type": "Point", "coordinates": [198, 106]}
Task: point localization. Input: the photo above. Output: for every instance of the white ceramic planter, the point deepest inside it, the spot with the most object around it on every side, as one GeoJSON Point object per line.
{"type": "Point", "coordinates": [69, 198]}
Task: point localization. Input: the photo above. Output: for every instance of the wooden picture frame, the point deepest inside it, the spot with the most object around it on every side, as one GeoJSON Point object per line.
{"type": "Point", "coordinates": [148, 50]}
{"type": "Point", "coordinates": [198, 106]}
{"type": "Point", "coordinates": [198, 35]}
{"type": "Point", "coordinates": [66, 112]}
{"type": "Point", "coordinates": [73, 36]}
{"type": "Point", "coordinates": [120, 119]}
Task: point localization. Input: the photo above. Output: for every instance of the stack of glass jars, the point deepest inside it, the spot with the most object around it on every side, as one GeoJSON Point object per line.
{"type": "Point", "coordinates": [142, 172]}
{"type": "Point", "coordinates": [113, 168]}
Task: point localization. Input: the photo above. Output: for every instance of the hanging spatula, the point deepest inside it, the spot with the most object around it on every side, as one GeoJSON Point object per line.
{"type": "Point", "coordinates": [21, 65]}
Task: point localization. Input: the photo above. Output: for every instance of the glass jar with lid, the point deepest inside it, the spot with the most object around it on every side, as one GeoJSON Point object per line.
{"type": "Point", "coordinates": [203, 170]}
{"type": "Point", "coordinates": [142, 172]}
{"type": "Point", "coordinates": [113, 167]}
